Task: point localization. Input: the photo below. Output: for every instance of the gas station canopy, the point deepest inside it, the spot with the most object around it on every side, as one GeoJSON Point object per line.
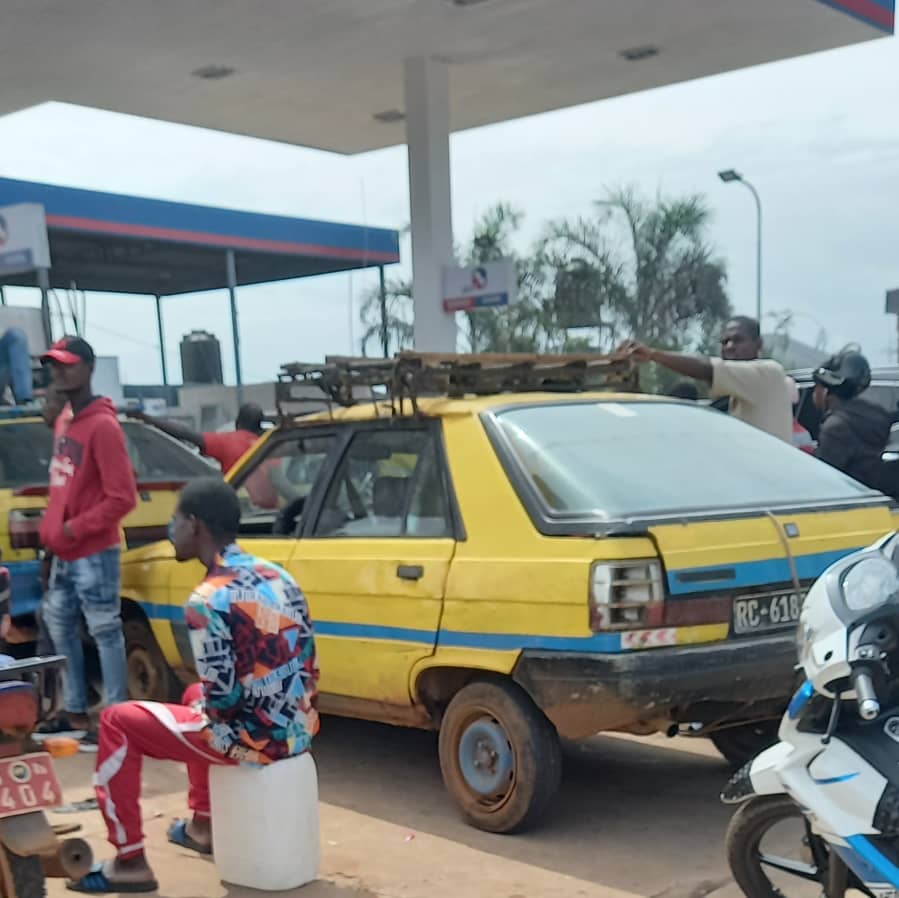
{"type": "Point", "coordinates": [124, 244]}
{"type": "Point", "coordinates": [329, 73]}
{"type": "Point", "coordinates": [354, 75]}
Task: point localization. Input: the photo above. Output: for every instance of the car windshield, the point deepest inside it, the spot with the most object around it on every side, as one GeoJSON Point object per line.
{"type": "Point", "coordinates": [619, 460]}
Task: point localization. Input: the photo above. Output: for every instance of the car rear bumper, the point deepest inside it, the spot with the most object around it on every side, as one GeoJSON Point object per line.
{"type": "Point", "coordinates": [647, 690]}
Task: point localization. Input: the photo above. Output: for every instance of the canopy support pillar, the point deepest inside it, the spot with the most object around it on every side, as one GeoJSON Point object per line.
{"type": "Point", "coordinates": [427, 136]}
{"type": "Point", "coordinates": [231, 269]}
{"type": "Point", "coordinates": [161, 332]}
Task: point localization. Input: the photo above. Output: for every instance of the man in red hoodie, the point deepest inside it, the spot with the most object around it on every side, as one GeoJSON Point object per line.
{"type": "Point", "coordinates": [92, 489]}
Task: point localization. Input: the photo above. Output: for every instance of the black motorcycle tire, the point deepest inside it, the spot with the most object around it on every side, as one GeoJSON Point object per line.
{"type": "Point", "coordinates": [746, 830]}
{"type": "Point", "coordinates": [27, 875]}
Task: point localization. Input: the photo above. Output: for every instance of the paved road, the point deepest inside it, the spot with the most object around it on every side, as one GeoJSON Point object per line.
{"type": "Point", "coordinates": [634, 816]}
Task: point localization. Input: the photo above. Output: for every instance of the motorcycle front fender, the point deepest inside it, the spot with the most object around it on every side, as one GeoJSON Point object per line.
{"type": "Point", "coordinates": [764, 771]}
{"type": "Point", "coordinates": [759, 777]}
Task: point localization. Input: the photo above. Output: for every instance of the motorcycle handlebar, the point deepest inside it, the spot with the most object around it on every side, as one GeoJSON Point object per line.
{"type": "Point", "coordinates": [868, 703]}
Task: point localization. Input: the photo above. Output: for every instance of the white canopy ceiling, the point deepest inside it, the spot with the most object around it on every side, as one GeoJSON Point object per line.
{"type": "Point", "coordinates": [326, 73]}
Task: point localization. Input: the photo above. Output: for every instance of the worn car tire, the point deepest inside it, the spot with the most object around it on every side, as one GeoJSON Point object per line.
{"type": "Point", "coordinates": [27, 874]}
{"type": "Point", "coordinates": [500, 757]}
{"type": "Point", "coordinates": [150, 678]}
{"type": "Point", "coordinates": [739, 745]}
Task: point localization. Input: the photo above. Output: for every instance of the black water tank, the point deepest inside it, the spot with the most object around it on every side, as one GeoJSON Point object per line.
{"type": "Point", "coordinates": [201, 358]}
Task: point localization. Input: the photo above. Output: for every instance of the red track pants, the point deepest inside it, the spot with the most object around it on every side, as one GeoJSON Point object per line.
{"type": "Point", "coordinates": [132, 730]}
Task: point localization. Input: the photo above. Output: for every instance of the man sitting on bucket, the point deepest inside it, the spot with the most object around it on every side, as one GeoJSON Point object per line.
{"type": "Point", "coordinates": [255, 702]}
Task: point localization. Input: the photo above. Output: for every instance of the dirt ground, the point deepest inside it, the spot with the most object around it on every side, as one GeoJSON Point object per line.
{"type": "Point", "coordinates": [635, 817]}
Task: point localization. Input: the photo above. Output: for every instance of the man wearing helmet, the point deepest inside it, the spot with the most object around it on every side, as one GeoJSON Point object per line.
{"type": "Point", "coordinates": [854, 432]}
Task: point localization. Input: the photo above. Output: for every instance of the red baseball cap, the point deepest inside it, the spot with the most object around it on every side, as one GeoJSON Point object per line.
{"type": "Point", "coordinates": [70, 351]}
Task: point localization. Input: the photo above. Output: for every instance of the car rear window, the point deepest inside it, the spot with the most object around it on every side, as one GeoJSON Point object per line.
{"type": "Point", "coordinates": [618, 460]}
{"type": "Point", "coordinates": [26, 448]}
{"type": "Point", "coordinates": [156, 457]}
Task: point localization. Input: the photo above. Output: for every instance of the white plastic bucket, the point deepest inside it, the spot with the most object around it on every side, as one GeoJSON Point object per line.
{"type": "Point", "coordinates": [265, 831]}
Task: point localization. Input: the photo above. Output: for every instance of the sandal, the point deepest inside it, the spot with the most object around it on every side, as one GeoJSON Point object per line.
{"type": "Point", "coordinates": [98, 883]}
{"type": "Point", "coordinates": [177, 835]}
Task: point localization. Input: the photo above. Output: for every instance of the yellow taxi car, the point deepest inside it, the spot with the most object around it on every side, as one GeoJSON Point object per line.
{"type": "Point", "coordinates": [161, 466]}
{"type": "Point", "coordinates": [516, 568]}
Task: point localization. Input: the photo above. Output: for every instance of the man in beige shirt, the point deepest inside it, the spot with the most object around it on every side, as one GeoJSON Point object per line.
{"type": "Point", "coordinates": [757, 388]}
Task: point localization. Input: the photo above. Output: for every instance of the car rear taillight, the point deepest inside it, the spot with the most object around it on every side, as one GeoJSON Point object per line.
{"type": "Point", "coordinates": [24, 528]}
{"type": "Point", "coordinates": [626, 594]}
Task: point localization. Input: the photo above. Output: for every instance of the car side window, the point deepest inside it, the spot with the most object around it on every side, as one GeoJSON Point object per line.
{"type": "Point", "coordinates": [388, 484]}
{"type": "Point", "coordinates": [884, 395]}
{"type": "Point", "coordinates": [273, 491]}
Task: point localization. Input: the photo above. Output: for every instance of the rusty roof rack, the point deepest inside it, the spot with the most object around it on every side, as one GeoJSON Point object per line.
{"type": "Point", "coordinates": [410, 375]}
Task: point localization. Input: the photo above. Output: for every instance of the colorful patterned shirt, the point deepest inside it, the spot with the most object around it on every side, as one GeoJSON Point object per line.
{"type": "Point", "coordinates": [255, 654]}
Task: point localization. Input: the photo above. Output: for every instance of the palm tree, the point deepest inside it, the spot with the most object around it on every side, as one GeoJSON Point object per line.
{"type": "Point", "coordinates": [631, 269]}
{"type": "Point", "coordinates": [392, 327]}
{"type": "Point", "coordinates": [516, 328]}
{"type": "Point", "coordinates": [648, 271]}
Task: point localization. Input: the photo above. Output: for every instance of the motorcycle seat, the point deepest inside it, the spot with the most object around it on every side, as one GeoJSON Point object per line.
{"type": "Point", "coordinates": [18, 706]}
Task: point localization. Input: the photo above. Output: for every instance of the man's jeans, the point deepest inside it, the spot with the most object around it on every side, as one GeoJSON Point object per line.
{"type": "Point", "coordinates": [88, 586]}
{"type": "Point", "coordinates": [15, 365]}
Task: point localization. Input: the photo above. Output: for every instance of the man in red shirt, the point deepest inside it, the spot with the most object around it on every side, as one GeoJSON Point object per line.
{"type": "Point", "coordinates": [225, 448]}
{"type": "Point", "coordinates": [92, 489]}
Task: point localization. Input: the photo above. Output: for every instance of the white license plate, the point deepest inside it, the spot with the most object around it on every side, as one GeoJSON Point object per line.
{"type": "Point", "coordinates": [756, 614]}
{"type": "Point", "coordinates": [28, 783]}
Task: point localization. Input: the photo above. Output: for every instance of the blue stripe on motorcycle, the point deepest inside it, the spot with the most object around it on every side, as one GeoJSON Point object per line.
{"type": "Point", "coordinates": [802, 697]}
{"type": "Point", "coordinates": [830, 780]}
{"type": "Point", "coordinates": [874, 858]}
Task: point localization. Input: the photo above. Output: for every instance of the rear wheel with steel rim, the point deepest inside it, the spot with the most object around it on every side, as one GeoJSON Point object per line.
{"type": "Point", "coordinates": [149, 676]}
{"type": "Point", "coordinates": [773, 853]}
{"type": "Point", "coordinates": [499, 755]}
{"type": "Point", "coordinates": [150, 679]}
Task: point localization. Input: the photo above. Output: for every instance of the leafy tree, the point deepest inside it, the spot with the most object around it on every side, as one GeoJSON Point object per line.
{"type": "Point", "coordinates": [498, 330]}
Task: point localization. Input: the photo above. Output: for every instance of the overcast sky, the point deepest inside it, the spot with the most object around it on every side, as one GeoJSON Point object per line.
{"type": "Point", "coordinates": [818, 136]}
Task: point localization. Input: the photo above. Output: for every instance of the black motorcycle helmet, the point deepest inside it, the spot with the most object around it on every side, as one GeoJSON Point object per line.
{"type": "Point", "coordinates": [845, 375]}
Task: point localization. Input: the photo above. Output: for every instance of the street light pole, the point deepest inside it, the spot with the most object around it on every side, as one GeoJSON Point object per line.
{"type": "Point", "coordinates": [728, 177]}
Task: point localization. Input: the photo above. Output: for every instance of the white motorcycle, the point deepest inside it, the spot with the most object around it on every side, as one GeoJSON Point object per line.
{"type": "Point", "coordinates": [834, 774]}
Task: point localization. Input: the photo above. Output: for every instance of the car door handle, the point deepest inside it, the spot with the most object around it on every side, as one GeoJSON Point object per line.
{"type": "Point", "coordinates": [410, 572]}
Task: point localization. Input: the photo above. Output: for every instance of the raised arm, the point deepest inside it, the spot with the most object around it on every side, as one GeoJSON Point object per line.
{"type": "Point", "coordinates": [699, 367]}
{"type": "Point", "coordinates": [172, 428]}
